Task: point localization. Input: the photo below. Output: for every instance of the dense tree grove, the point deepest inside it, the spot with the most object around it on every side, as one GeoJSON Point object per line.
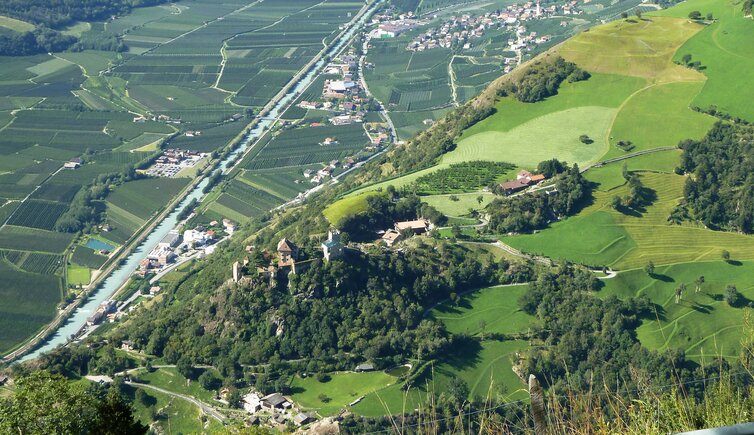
{"type": "Point", "coordinates": [368, 305]}
{"type": "Point", "coordinates": [590, 341]}
{"type": "Point", "coordinates": [542, 79]}
{"type": "Point", "coordinates": [59, 13]}
{"type": "Point", "coordinates": [720, 190]}
{"type": "Point", "coordinates": [41, 40]}
{"type": "Point", "coordinates": [45, 404]}
{"type": "Point", "coordinates": [50, 15]}
{"type": "Point", "coordinates": [84, 210]}
{"type": "Point", "coordinates": [534, 211]}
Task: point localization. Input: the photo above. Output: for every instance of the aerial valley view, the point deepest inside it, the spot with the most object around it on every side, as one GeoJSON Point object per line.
{"type": "Point", "coordinates": [376, 217]}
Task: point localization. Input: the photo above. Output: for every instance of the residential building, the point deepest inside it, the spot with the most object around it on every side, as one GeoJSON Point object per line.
{"type": "Point", "coordinates": [419, 226]}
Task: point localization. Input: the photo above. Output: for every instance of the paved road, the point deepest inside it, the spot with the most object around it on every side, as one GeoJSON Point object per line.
{"type": "Point", "coordinates": [207, 409]}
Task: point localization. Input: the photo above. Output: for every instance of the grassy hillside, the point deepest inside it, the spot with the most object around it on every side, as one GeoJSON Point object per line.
{"type": "Point", "coordinates": [726, 53]}
{"type": "Point", "coordinates": [600, 235]}
{"type": "Point", "coordinates": [703, 324]}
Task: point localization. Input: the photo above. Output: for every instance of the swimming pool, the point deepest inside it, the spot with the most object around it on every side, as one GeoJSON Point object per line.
{"type": "Point", "coordinates": [98, 245]}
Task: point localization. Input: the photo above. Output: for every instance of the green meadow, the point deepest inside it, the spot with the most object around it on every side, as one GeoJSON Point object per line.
{"type": "Point", "coordinates": [486, 311]}
{"type": "Point", "coordinates": [702, 323]}
{"type": "Point", "coordinates": [458, 204]}
{"type": "Point", "coordinates": [351, 205]}
{"type": "Point", "coordinates": [599, 235]}
{"type": "Point", "coordinates": [339, 391]}
{"type": "Point", "coordinates": [724, 48]}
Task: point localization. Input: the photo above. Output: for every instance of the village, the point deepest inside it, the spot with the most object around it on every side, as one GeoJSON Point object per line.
{"type": "Point", "coordinates": [459, 31]}
{"type": "Point", "coordinates": [346, 101]}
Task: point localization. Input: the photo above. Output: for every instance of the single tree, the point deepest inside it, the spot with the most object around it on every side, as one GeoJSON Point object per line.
{"type": "Point", "coordinates": [710, 17]}
{"type": "Point", "coordinates": [686, 59]}
{"type": "Point", "coordinates": [184, 367]}
{"type": "Point", "coordinates": [732, 296]}
{"type": "Point", "coordinates": [699, 281]}
{"type": "Point", "coordinates": [695, 15]}
{"type": "Point", "coordinates": [637, 12]}
{"type": "Point", "coordinates": [482, 326]}
{"type": "Point", "coordinates": [456, 231]}
{"type": "Point", "coordinates": [726, 255]}
{"type": "Point", "coordinates": [480, 199]}
{"type": "Point", "coordinates": [650, 268]}
{"type": "Point", "coordinates": [679, 292]}
{"type": "Point", "coordinates": [624, 15]}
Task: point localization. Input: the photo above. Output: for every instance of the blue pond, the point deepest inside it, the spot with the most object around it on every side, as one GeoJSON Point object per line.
{"type": "Point", "coordinates": [98, 245]}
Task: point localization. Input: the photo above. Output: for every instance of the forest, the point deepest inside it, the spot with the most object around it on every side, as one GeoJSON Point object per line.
{"type": "Point", "coordinates": [720, 192]}
{"type": "Point", "coordinates": [50, 16]}
{"type": "Point", "coordinates": [59, 13]}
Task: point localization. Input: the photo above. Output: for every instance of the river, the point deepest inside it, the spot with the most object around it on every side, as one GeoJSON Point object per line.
{"type": "Point", "coordinates": [119, 276]}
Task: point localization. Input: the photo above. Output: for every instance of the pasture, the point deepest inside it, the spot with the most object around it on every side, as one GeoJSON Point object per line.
{"type": "Point", "coordinates": [15, 25]}
{"type": "Point", "coordinates": [636, 48]}
{"type": "Point", "coordinates": [702, 324]}
{"type": "Point", "coordinates": [169, 379]}
{"type": "Point", "coordinates": [551, 136]}
{"type": "Point", "coordinates": [486, 367]}
{"type": "Point", "coordinates": [339, 391]}
{"type": "Point", "coordinates": [599, 235]}
{"type": "Point", "coordinates": [178, 415]}
{"type": "Point", "coordinates": [724, 50]}
{"type": "Point", "coordinates": [661, 105]}
{"type": "Point", "coordinates": [491, 310]}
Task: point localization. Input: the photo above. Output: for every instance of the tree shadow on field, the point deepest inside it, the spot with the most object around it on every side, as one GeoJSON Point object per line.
{"type": "Point", "coordinates": [464, 354]}
{"type": "Point", "coordinates": [662, 277]}
{"type": "Point", "coordinates": [705, 309]}
{"type": "Point", "coordinates": [654, 312]}
{"type": "Point", "coordinates": [296, 390]}
{"type": "Point", "coordinates": [734, 263]}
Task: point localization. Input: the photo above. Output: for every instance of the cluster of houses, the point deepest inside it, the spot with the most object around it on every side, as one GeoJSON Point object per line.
{"type": "Point", "coordinates": [523, 180]}
{"type": "Point", "coordinates": [389, 26]}
{"type": "Point", "coordinates": [173, 160]}
{"type": "Point", "coordinates": [140, 119]}
{"type": "Point", "coordinates": [174, 243]}
{"type": "Point", "coordinates": [104, 310]}
{"type": "Point", "coordinates": [460, 30]}
{"type": "Point", "coordinates": [277, 406]}
{"type": "Point", "coordinates": [401, 230]}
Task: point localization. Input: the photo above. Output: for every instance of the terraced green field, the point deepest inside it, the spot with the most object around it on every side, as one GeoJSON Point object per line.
{"type": "Point", "coordinates": [725, 52]}
{"type": "Point", "coordinates": [600, 235]}
{"type": "Point", "coordinates": [702, 323]}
